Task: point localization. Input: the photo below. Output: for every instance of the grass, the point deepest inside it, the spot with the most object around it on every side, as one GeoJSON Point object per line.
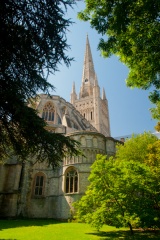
{"type": "Point", "coordinates": [53, 230]}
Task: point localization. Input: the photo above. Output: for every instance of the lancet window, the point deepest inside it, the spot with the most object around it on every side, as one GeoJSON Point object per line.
{"type": "Point", "coordinates": [71, 181]}
{"type": "Point", "coordinates": [39, 184]}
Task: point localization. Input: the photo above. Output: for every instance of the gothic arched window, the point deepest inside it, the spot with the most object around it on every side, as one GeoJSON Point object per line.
{"type": "Point", "coordinates": [48, 112]}
{"type": "Point", "coordinates": [71, 181]}
{"type": "Point", "coordinates": [39, 184]}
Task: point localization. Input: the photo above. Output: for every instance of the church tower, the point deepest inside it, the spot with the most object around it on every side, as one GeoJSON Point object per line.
{"type": "Point", "coordinates": [90, 104]}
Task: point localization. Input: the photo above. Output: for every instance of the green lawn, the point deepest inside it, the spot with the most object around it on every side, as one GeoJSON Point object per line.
{"type": "Point", "coordinates": [53, 230]}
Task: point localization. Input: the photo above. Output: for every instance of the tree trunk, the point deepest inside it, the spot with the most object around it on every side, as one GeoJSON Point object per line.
{"type": "Point", "coordinates": [130, 226]}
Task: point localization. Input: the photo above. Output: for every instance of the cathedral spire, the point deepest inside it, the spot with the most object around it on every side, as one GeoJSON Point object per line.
{"type": "Point", "coordinates": [88, 67]}
{"type": "Point", "coordinates": [90, 104]}
{"type": "Point", "coordinates": [89, 76]}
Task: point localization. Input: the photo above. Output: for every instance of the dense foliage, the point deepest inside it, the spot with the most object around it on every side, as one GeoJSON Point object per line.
{"type": "Point", "coordinates": [32, 44]}
{"type": "Point", "coordinates": [133, 31]}
{"type": "Point", "coordinates": [125, 189]}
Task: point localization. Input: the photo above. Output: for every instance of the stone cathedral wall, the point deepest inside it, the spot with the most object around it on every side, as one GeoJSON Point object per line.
{"type": "Point", "coordinates": [17, 181]}
{"type": "Point", "coordinates": [92, 143]}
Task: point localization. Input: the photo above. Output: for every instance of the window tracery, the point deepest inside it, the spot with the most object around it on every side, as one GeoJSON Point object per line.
{"type": "Point", "coordinates": [48, 112]}
{"type": "Point", "coordinates": [71, 181]}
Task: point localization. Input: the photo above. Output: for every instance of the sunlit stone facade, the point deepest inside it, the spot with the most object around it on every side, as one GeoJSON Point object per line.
{"type": "Point", "coordinates": [35, 190]}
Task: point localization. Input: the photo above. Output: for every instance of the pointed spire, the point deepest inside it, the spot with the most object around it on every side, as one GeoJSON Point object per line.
{"type": "Point", "coordinates": [73, 94]}
{"type": "Point", "coordinates": [103, 94]}
{"type": "Point", "coordinates": [88, 67]}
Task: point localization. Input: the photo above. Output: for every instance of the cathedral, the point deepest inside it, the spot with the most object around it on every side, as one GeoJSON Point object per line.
{"type": "Point", "coordinates": [35, 190]}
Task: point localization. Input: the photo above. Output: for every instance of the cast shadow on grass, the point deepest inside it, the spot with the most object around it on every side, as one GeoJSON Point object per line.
{"type": "Point", "coordinates": [6, 224]}
{"type": "Point", "coordinates": [8, 239]}
{"type": "Point", "coordinates": [126, 235]}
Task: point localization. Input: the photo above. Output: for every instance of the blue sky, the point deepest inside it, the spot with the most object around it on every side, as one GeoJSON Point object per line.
{"type": "Point", "coordinates": [128, 108]}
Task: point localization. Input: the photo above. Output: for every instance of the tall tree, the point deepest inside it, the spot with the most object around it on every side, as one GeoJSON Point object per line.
{"type": "Point", "coordinates": [32, 44]}
{"type": "Point", "coordinates": [125, 190]}
{"type": "Point", "coordinates": [133, 31]}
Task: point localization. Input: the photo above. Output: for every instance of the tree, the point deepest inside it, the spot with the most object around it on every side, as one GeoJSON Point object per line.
{"type": "Point", "coordinates": [156, 115]}
{"type": "Point", "coordinates": [125, 190]}
{"type": "Point", "coordinates": [33, 44]}
{"type": "Point", "coordinates": [133, 30]}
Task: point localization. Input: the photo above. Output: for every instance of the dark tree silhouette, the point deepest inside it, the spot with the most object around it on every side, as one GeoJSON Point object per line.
{"type": "Point", "coordinates": [32, 44]}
